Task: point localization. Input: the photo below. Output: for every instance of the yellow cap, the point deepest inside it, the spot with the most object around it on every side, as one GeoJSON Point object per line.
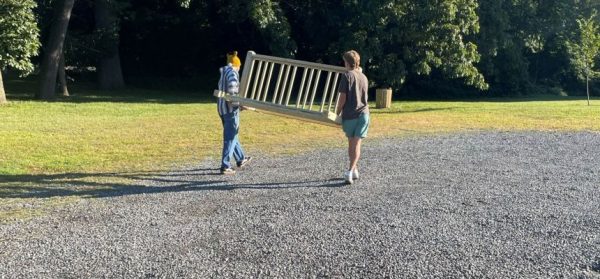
{"type": "Point", "coordinates": [234, 59]}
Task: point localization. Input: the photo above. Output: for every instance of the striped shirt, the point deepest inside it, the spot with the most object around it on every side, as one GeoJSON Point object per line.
{"type": "Point", "coordinates": [228, 82]}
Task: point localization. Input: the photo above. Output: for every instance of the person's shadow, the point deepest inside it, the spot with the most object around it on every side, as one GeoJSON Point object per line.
{"type": "Point", "coordinates": [100, 185]}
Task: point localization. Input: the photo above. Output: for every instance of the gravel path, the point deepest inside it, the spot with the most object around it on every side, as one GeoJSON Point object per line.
{"type": "Point", "coordinates": [487, 205]}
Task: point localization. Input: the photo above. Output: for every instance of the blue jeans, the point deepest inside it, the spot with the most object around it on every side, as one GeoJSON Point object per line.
{"type": "Point", "coordinates": [231, 142]}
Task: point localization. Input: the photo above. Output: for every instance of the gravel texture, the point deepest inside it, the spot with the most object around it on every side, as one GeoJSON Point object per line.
{"type": "Point", "coordinates": [481, 205]}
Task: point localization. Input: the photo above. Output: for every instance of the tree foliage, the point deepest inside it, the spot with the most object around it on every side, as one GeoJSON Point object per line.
{"type": "Point", "coordinates": [396, 39]}
{"type": "Point", "coordinates": [19, 35]}
{"type": "Point", "coordinates": [269, 19]}
{"type": "Point", "coordinates": [522, 43]}
{"type": "Point", "coordinates": [585, 48]}
{"type": "Point", "coordinates": [424, 48]}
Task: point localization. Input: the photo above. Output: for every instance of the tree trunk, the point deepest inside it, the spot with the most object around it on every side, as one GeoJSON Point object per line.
{"type": "Point", "coordinates": [50, 61]}
{"type": "Point", "coordinates": [587, 88]}
{"type": "Point", "coordinates": [2, 94]}
{"type": "Point", "coordinates": [110, 75]}
{"type": "Point", "coordinates": [62, 76]}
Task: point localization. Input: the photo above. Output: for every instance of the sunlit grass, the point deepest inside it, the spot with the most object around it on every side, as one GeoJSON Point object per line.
{"type": "Point", "coordinates": [86, 138]}
{"type": "Point", "coordinates": [518, 115]}
{"type": "Point", "coordinates": [41, 137]}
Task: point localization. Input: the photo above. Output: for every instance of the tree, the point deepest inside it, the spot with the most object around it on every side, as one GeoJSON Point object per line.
{"type": "Point", "coordinates": [584, 50]}
{"type": "Point", "coordinates": [522, 43]}
{"type": "Point", "coordinates": [500, 42]}
{"type": "Point", "coordinates": [62, 76]}
{"type": "Point", "coordinates": [110, 75]}
{"type": "Point", "coordinates": [396, 39]}
{"type": "Point", "coordinates": [54, 49]}
{"type": "Point", "coordinates": [266, 16]}
{"type": "Point", "coordinates": [44, 13]}
{"type": "Point", "coordinates": [271, 22]}
{"type": "Point", "coordinates": [19, 37]}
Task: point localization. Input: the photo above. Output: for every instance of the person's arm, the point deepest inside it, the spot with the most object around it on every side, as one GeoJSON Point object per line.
{"type": "Point", "coordinates": [233, 85]}
{"type": "Point", "coordinates": [342, 92]}
{"type": "Point", "coordinates": [341, 103]}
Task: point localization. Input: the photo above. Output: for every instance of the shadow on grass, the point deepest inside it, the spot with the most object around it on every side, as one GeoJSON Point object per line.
{"type": "Point", "coordinates": [508, 99]}
{"type": "Point", "coordinates": [400, 110]}
{"type": "Point", "coordinates": [24, 90]}
{"type": "Point", "coordinates": [90, 185]}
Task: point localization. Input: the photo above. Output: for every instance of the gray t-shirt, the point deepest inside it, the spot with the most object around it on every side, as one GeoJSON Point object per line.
{"type": "Point", "coordinates": [355, 85]}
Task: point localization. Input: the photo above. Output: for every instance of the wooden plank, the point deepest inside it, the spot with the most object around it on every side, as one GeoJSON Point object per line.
{"type": "Point", "coordinates": [284, 86]}
{"type": "Point", "coordinates": [312, 96]}
{"type": "Point", "coordinates": [324, 118]}
{"type": "Point", "coordinates": [281, 69]}
{"type": "Point", "coordinates": [300, 63]}
{"type": "Point", "coordinates": [325, 90]}
{"type": "Point", "coordinates": [268, 82]}
{"type": "Point", "coordinates": [258, 71]}
{"type": "Point", "coordinates": [246, 73]}
{"type": "Point", "coordinates": [302, 95]}
{"type": "Point", "coordinates": [261, 81]}
{"type": "Point", "coordinates": [333, 92]}
{"type": "Point", "coordinates": [289, 93]}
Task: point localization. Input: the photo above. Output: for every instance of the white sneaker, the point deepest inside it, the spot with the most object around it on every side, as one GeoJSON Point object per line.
{"type": "Point", "coordinates": [355, 174]}
{"type": "Point", "coordinates": [348, 177]}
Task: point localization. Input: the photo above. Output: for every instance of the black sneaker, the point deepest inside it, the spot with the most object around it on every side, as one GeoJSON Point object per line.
{"type": "Point", "coordinates": [227, 171]}
{"type": "Point", "coordinates": [244, 162]}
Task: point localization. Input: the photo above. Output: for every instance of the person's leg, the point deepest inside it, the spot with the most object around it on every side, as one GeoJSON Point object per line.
{"type": "Point", "coordinates": [361, 131]}
{"type": "Point", "coordinates": [238, 151]}
{"type": "Point", "coordinates": [353, 152]}
{"type": "Point", "coordinates": [354, 143]}
{"type": "Point", "coordinates": [349, 126]}
{"type": "Point", "coordinates": [229, 136]}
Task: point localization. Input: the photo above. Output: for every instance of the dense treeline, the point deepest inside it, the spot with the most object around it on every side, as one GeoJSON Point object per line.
{"type": "Point", "coordinates": [423, 49]}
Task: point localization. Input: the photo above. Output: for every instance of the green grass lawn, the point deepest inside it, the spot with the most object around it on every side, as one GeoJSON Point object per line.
{"type": "Point", "coordinates": [53, 153]}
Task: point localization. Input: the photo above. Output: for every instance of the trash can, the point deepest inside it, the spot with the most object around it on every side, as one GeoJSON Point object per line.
{"type": "Point", "coordinates": [383, 98]}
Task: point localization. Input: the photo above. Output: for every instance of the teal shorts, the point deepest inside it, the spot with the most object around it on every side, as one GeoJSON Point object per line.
{"type": "Point", "coordinates": [356, 127]}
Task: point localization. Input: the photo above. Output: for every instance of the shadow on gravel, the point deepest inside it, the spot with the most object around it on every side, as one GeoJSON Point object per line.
{"type": "Point", "coordinates": [286, 185]}
{"type": "Point", "coordinates": [100, 185]}
{"type": "Point", "coordinates": [596, 266]}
